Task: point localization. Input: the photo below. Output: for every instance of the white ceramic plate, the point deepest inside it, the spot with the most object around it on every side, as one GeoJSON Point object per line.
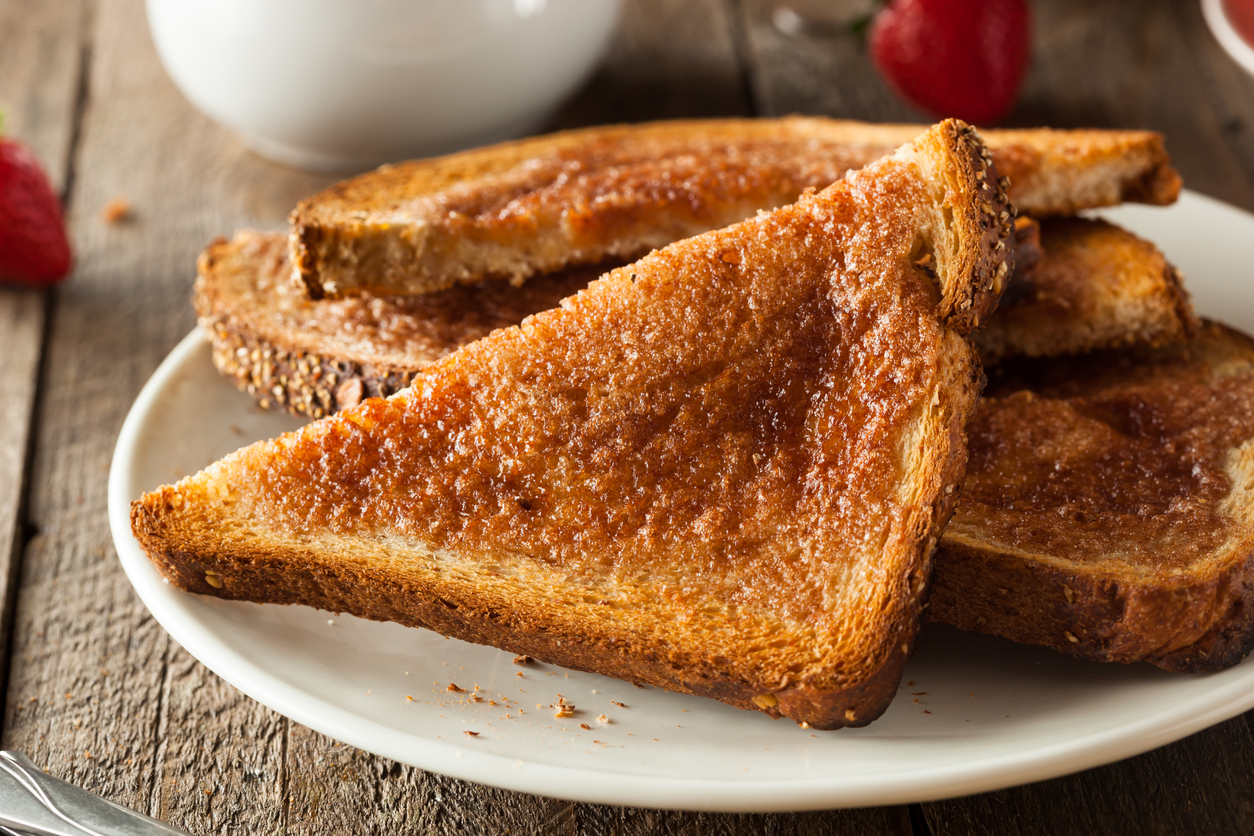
{"type": "Point", "coordinates": [974, 713]}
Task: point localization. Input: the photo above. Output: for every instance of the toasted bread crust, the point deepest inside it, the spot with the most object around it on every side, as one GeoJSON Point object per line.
{"type": "Point", "coordinates": [314, 358]}
{"type": "Point", "coordinates": [1098, 286]}
{"type": "Point", "coordinates": [1176, 587]}
{"type": "Point", "coordinates": [533, 206]}
{"type": "Point", "coordinates": [721, 469]}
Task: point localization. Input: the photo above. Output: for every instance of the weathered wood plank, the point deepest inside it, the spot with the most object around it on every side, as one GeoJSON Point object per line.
{"type": "Point", "coordinates": [220, 753]}
{"type": "Point", "coordinates": [41, 49]}
{"type": "Point", "coordinates": [1203, 787]}
{"type": "Point", "coordinates": [620, 821]}
{"type": "Point", "coordinates": [98, 693]}
{"type": "Point", "coordinates": [668, 60]}
{"type": "Point", "coordinates": [21, 337]}
{"type": "Point", "coordinates": [334, 788]}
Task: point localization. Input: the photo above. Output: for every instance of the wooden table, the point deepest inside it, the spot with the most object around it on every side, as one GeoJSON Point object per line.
{"type": "Point", "coordinates": [97, 692]}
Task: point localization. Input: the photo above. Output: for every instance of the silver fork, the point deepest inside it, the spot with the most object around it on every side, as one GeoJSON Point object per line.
{"type": "Point", "coordinates": [33, 803]}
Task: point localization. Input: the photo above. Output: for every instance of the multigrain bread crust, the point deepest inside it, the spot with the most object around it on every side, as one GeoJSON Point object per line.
{"type": "Point", "coordinates": [530, 207]}
{"type": "Point", "coordinates": [1107, 507]}
{"type": "Point", "coordinates": [1097, 286]}
{"type": "Point", "coordinates": [314, 358]}
{"type": "Point", "coordinates": [721, 470]}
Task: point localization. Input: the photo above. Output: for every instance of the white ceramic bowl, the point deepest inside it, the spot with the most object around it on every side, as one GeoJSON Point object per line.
{"type": "Point", "coordinates": [1228, 37]}
{"type": "Point", "coordinates": [347, 84]}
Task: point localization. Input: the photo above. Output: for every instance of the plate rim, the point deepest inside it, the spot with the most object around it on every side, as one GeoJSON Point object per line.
{"type": "Point", "coordinates": [1232, 695]}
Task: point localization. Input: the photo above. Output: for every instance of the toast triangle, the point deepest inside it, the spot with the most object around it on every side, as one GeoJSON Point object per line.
{"type": "Point", "coordinates": [721, 470]}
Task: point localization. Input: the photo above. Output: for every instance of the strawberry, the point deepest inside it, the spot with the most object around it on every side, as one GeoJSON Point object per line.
{"type": "Point", "coordinates": [963, 58]}
{"type": "Point", "coordinates": [33, 245]}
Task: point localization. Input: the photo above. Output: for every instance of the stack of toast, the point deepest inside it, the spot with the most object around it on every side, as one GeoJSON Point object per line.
{"type": "Point", "coordinates": [748, 459]}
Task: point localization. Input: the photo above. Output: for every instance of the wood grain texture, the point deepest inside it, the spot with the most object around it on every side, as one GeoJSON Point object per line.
{"type": "Point", "coordinates": [1202, 787]}
{"type": "Point", "coordinates": [98, 693]}
{"type": "Point", "coordinates": [43, 47]}
{"type": "Point", "coordinates": [667, 60]}
{"type": "Point", "coordinates": [41, 54]}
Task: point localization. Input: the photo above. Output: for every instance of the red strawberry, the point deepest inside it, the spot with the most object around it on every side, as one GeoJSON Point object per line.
{"type": "Point", "coordinates": [33, 246]}
{"type": "Point", "coordinates": [963, 58]}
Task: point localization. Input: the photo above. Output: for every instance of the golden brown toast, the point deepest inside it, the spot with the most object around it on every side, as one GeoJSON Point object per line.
{"type": "Point", "coordinates": [1108, 509]}
{"type": "Point", "coordinates": [312, 358]}
{"type": "Point", "coordinates": [720, 470]}
{"type": "Point", "coordinates": [537, 205]}
{"type": "Point", "coordinates": [1097, 286]}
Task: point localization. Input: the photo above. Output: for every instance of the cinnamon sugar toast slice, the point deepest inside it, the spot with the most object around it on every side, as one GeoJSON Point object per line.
{"type": "Point", "coordinates": [720, 470]}
{"type": "Point", "coordinates": [1096, 286]}
{"type": "Point", "coordinates": [530, 207]}
{"type": "Point", "coordinates": [1108, 509]}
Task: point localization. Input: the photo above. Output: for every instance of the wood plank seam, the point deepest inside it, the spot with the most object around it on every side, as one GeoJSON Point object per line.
{"type": "Point", "coordinates": [25, 528]}
{"type": "Point", "coordinates": [285, 795]}
{"type": "Point", "coordinates": [158, 751]}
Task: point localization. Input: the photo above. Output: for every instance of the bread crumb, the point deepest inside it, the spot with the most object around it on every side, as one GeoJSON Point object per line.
{"type": "Point", "coordinates": [452, 686]}
{"type": "Point", "coordinates": [586, 727]}
{"type": "Point", "coordinates": [471, 733]}
{"type": "Point", "coordinates": [601, 718]}
{"type": "Point", "coordinates": [518, 674]}
{"type": "Point", "coordinates": [408, 697]}
{"type": "Point", "coordinates": [116, 210]}
{"type": "Point", "coordinates": [523, 659]}
{"type": "Point", "coordinates": [617, 703]}
{"type": "Point", "coordinates": [925, 711]}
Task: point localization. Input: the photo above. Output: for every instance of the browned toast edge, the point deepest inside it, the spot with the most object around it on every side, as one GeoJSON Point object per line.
{"type": "Point", "coordinates": [1102, 616]}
